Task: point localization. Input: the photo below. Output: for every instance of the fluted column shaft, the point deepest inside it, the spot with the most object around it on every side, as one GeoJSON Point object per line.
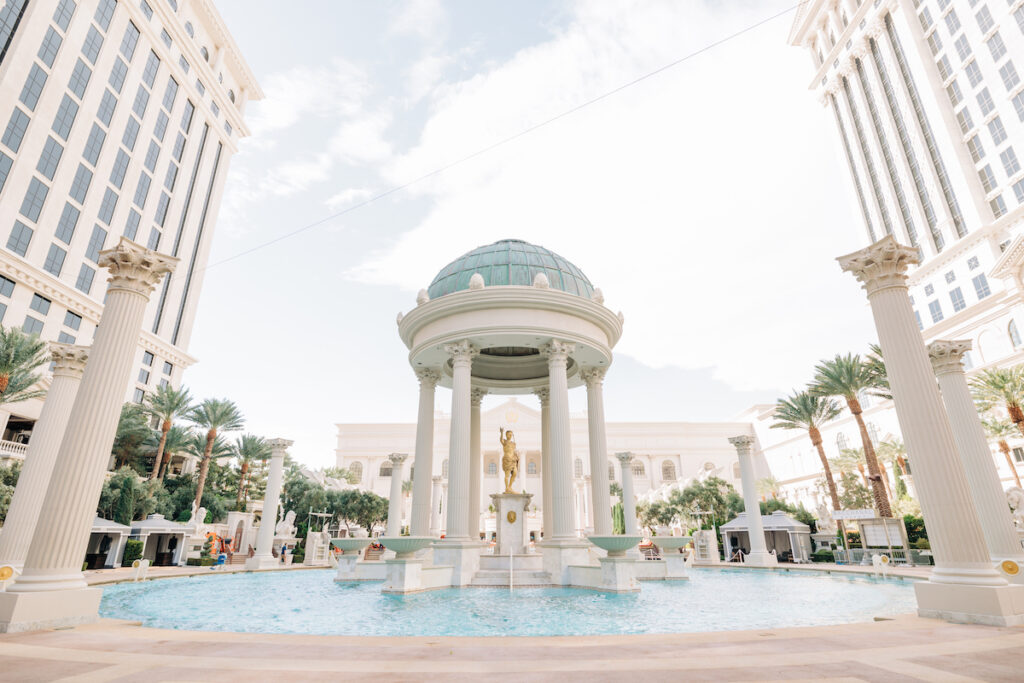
{"type": "Point", "coordinates": [462, 354]}
{"type": "Point", "coordinates": [435, 507]}
{"type": "Point", "coordinates": [599, 484]}
{"type": "Point", "coordinates": [982, 477]}
{"type": "Point", "coordinates": [423, 458]}
{"type": "Point", "coordinates": [545, 460]}
{"type": "Point", "coordinates": [271, 499]}
{"type": "Point", "coordinates": [957, 542]}
{"type": "Point", "coordinates": [751, 504]}
{"type": "Point", "coordinates": [42, 453]}
{"type": "Point", "coordinates": [54, 560]}
{"type": "Point", "coordinates": [588, 490]}
{"type": "Point", "coordinates": [395, 501]}
{"type": "Point", "coordinates": [475, 463]}
{"type": "Point", "coordinates": [628, 497]}
{"type": "Point", "coordinates": [561, 442]}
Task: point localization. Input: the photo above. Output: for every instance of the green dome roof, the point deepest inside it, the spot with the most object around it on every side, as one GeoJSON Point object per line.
{"type": "Point", "coordinates": [510, 262]}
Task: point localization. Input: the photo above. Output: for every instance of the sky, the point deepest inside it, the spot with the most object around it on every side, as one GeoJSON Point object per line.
{"type": "Point", "coordinates": [708, 201]}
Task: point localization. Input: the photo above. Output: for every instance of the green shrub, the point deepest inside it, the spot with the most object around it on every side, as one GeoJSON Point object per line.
{"type": "Point", "coordinates": [201, 561]}
{"type": "Point", "coordinates": [298, 555]}
{"type": "Point", "coordinates": [922, 544]}
{"type": "Point", "coordinates": [132, 552]}
{"type": "Point", "coordinates": [823, 555]}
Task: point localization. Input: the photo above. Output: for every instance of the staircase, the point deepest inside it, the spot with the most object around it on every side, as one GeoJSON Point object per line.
{"type": "Point", "coordinates": [372, 554]}
{"type": "Point", "coordinates": [528, 570]}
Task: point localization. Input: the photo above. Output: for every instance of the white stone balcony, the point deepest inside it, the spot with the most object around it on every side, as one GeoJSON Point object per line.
{"type": "Point", "coordinates": [12, 450]}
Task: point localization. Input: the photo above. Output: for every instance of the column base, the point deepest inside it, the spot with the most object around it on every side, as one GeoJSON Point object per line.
{"type": "Point", "coordinates": [21, 612]}
{"type": "Point", "coordinates": [761, 560]}
{"type": "Point", "coordinates": [462, 556]}
{"type": "Point", "coordinates": [263, 562]}
{"type": "Point", "coordinates": [618, 575]}
{"type": "Point", "coordinates": [675, 566]}
{"type": "Point", "coordinates": [347, 567]}
{"type": "Point", "coordinates": [960, 603]}
{"type": "Point", "coordinates": [559, 555]}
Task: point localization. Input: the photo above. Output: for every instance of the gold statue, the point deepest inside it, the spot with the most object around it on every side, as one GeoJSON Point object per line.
{"type": "Point", "coordinates": [510, 459]}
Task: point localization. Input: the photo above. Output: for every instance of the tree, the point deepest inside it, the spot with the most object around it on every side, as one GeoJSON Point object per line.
{"type": "Point", "coordinates": [876, 366]}
{"type": "Point", "coordinates": [21, 355]}
{"type": "Point", "coordinates": [894, 454]}
{"type": "Point", "coordinates": [8, 480]}
{"type": "Point", "coordinates": [854, 496]}
{"type": "Point", "coordinates": [248, 449]}
{"type": "Point", "coordinates": [126, 497]}
{"type": "Point", "coordinates": [215, 416]}
{"type": "Point", "coordinates": [1001, 387]}
{"type": "Point", "coordinates": [846, 377]}
{"type": "Point", "coordinates": [176, 441]}
{"type": "Point", "coordinates": [713, 495]}
{"type": "Point", "coordinates": [1000, 430]}
{"type": "Point", "coordinates": [768, 486]}
{"type": "Point", "coordinates": [166, 405]}
{"type": "Point", "coordinates": [370, 510]}
{"type": "Point", "coordinates": [130, 438]}
{"type": "Point", "coordinates": [804, 410]}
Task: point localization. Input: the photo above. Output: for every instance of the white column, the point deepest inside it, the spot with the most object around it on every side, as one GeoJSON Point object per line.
{"type": "Point", "coordinates": [600, 494]}
{"type": "Point", "coordinates": [758, 555]}
{"type": "Point", "coordinates": [557, 353]}
{"type": "Point", "coordinates": [588, 489]}
{"type": "Point", "coordinates": [42, 452]}
{"type": "Point", "coordinates": [462, 354]}
{"type": "Point", "coordinates": [476, 395]}
{"type": "Point", "coordinates": [545, 460]}
{"type": "Point", "coordinates": [628, 496]}
{"type": "Point", "coordinates": [982, 477]}
{"type": "Point", "coordinates": [423, 459]}
{"type": "Point", "coordinates": [435, 507]}
{"type": "Point", "coordinates": [54, 560]}
{"type": "Point", "coordinates": [5, 417]}
{"type": "Point", "coordinates": [395, 501]}
{"type": "Point", "coordinates": [264, 556]}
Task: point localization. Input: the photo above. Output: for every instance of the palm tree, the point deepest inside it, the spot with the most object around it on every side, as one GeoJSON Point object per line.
{"type": "Point", "coordinates": [20, 356]}
{"type": "Point", "coordinates": [1000, 429]}
{"type": "Point", "coordinates": [175, 441]}
{"type": "Point", "coordinates": [166, 404]}
{"type": "Point", "coordinates": [769, 486]}
{"type": "Point", "coordinates": [876, 366]}
{"type": "Point", "coordinates": [132, 433]}
{"type": "Point", "coordinates": [1002, 387]}
{"type": "Point", "coordinates": [846, 377]}
{"type": "Point", "coordinates": [248, 448]}
{"type": "Point", "coordinates": [804, 410]}
{"type": "Point", "coordinates": [214, 415]}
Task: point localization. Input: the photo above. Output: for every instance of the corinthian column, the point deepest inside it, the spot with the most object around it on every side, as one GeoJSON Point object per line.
{"type": "Point", "coordinates": [557, 353]}
{"type": "Point", "coordinates": [963, 585]}
{"type": "Point", "coordinates": [601, 496]}
{"type": "Point", "coordinates": [54, 560]}
{"type": "Point", "coordinates": [41, 453]}
{"type": "Point", "coordinates": [545, 459]}
{"type": "Point", "coordinates": [264, 555]}
{"type": "Point", "coordinates": [982, 478]}
{"type": "Point", "coordinates": [435, 509]}
{"type": "Point", "coordinates": [628, 497]}
{"type": "Point", "coordinates": [395, 501]}
{"type": "Point", "coordinates": [758, 555]}
{"type": "Point", "coordinates": [475, 462]}
{"type": "Point", "coordinates": [423, 460]}
{"type": "Point", "coordinates": [462, 354]}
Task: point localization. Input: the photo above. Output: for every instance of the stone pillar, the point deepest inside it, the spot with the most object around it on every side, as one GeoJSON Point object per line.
{"type": "Point", "coordinates": [963, 585]}
{"type": "Point", "coordinates": [628, 497]}
{"type": "Point", "coordinates": [982, 477]}
{"type": "Point", "coordinates": [475, 462]}
{"type": "Point", "coordinates": [420, 523]}
{"type": "Point", "coordinates": [462, 354]}
{"type": "Point", "coordinates": [394, 527]}
{"type": "Point", "coordinates": [588, 488]}
{"type": "Point", "coordinates": [758, 555]}
{"type": "Point", "coordinates": [600, 494]}
{"type": "Point", "coordinates": [264, 555]}
{"type": "Point", "coordinates": [435, 507]}
{"type": "Point", "coordinates": [442, 523]}
{"type": "Point", "coordinates": [545, 460]}
{"type": "Point", "coordinates": [41, 453]}
{"type": "Point", "coordinates": [557, 353]}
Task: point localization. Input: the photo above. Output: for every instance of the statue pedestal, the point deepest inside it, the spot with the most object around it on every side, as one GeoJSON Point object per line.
{"type": "Point", "coordinates": [511, 522]}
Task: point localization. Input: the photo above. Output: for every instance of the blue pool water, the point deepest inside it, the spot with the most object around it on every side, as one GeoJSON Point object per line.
{"type": "Point", "coordinates": [310, 602]}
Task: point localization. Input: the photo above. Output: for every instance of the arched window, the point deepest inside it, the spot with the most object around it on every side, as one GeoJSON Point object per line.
{"type": "Point", "coordinates": [205, 53]}
{"type": "Point", "coordinates": [492, 469]}
{"type": "Point", "coordinates": [577, 468]}
{"type": "Point", "coordinates": [1014, 334]}
{"type": "Point", "coordinates": [444, 468]}
{"type": "Point", "coordinates": [190, 30]}
{"type": "Point", "coordinates": [873, 432]}
{"type": "Point", "coordinates": [611, 471]}
{"type": "Point", "coordinates": [231, 95]}
{"type": "Point", "coordinates": [531, 468]}
{"type": "Point", "coordinates": [385, 469]}
{"type": "Point", "coordinates": [638, 469]}
{"type": "Point", "coordinates": [668, 471]}
{"type": "Point", "coordinates": [841, 441]}
{"type": "Point", "coordinates": [356, 470]}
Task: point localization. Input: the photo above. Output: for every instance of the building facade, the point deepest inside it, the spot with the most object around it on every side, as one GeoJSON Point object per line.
{"type": "Point", "coordinates": [117, 118]}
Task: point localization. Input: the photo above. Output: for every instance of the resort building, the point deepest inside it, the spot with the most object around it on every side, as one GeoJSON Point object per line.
{"type": "Point", "coordinates": [117, 118]}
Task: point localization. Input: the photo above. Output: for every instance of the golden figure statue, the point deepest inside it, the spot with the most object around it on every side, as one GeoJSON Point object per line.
{"type": "Point", "coordinates": [509, 459]}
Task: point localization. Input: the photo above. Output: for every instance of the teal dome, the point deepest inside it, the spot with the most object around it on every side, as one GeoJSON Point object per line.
{"type": "Point", "coordinates": [510, 262]}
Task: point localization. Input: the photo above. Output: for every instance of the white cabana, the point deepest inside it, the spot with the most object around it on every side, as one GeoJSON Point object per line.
{"type": "Point", "coordinates": [782, 534]}
{"type": "Point", "coordinates": [106, 544]}
{"type": "Point", "coordinates": [163, 540]}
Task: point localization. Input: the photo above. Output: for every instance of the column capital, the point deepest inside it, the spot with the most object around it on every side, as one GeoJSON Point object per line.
{"type": "Point", "coordinates": [437, 479]}
{"type": "Point", "coordinates": [476, 395]}
{"type": "Point", "coordinates": [278, 446]}
{"type": "Point", "coordinates": [70, 360]}
{"type": "Point", "coordinates": [428, 377]}
{"type": "Point", "coordinates": [134, 268]}
{"type": "Point", "coordinates": [544, 394]}
{"type": "Point", "coordinates": [880, 266]}
{"type": "Point", "coordinates": [742, 443]}
{"type": "Point", "coordinates": [625, 458]}
{"type": "Point", "coordinates": [397, 458]}
{"type": "Point", "coordinates": [556, 350]}
{"type": "Point", "coordinates": [461, 351]}
{"type": "Point", "coordinates": [947, 355]}
{"type": "Point", "coordinates": [593, 376]}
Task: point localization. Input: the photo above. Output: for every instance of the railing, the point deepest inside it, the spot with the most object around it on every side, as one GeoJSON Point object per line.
{"type": "Point", "coordinates": [13, 449]}
{"type": "Point", "coordinates": [897, 556]}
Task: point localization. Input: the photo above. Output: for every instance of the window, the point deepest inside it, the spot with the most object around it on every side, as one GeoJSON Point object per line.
{"type": "Point", "coordinates": [85, 277]}
{"type": "Point", "coordinates": [152, 67]}
{"type": "Point", "coordinates": [356, 471]}
{"type": "Point", "coordinates": [973, 73]}
{"type": "Point", "coordinates": [34, 199]}
{"type": "Point", "coordinates": [190, 30]}
{"type": "Point", "coordinates": [988, 180]}
{"type": "Point", "coordinates": [952, 22]}
{"type": "Point", "coordinates": [50, 157]}
{"type": "Point", "coordinates": [130, 40]}
{"type": "Point", "coordinates": [143, 376]}
{"type": "Point", "coordinates": [107, 106]}
{"type": "Point", "coordinates": [146, 9]}
{"type": "Point", "coordinates": [152, 154]}
{"type": "Point", "coordinates": [72, 320]}
{"type": "Point", "coordinates": [934, 43]}
{"type": "Point", "coordinates": [531, 468]}
{"type": "Point", "coordinates": [972, 262]}
{"type": "Point", "coordinates": [79, 79]}
{"type": "Point", "coordinates": [186, 116]}
{"type": "Point", "coordinates": [33, 87]}
{"type": "Point", "coordinates": [139, 395]}
{"type": "Point", "coordinates": [62, 15]}
{"type": "Point", "coordinates": [131, 133]}
{"type": "Point", "coordinates": [1009, 75]}
{"type": "Point", "coordinates": [929, 290]}
{"type": "Point", "coordinates": [142, 190]}
{"type": "Point", "coordinates": [998, 206]}
{"type": "Point", "coordinates": [200, 87]}
{"type": "Point", "coordinates": [639, 470]}
{"type": "Point", "coordinates": [611, 472]}
{"type": "Point", "coordinates": [214, 108]}
{"type": "Point", "coordinates": [80, 185]}
{"type": "Point", "coordinates": [945, 70]}
{"type": "Point", "coordinates": [51, 45]}
{"type": "Point", "coordinates": [67, 223]}
{"type": "Point", "coordinates": [93, 43]}
{"type": "Point", "coordinates": [161, 209]}
{"type": "Point", "coordinates": [841, 442]}
{"type": "Point", "coordinates": [668, 471]}
{"type": "Point", "coordinates": [985, 102]}
{"type": "Point", "coordinates": [170, 94]}
{"type": "Point", "coordinates": [1018, 189]}
{"type": "Point", "coordinates": [147, 358]}
{"type": "Point", "coordinates": [172, 175]}
{"type": "Point", "coordinates": [54, 260]}
{"type": "Point", "coordinates": [1018, 454]}
{"type": "Point", "coordinates": [6, 286]}
{"type": "Point", "coordinates": [231, 95]}
{"type": "Point", "coordinates": [131, 227]}
{"type": "Point", "coordinates": [981, 286]}
{"type": "Point", "coordinates": [950, 277]}
{"type": "Point", "coordinates": [492, 469]}
{"type": "Point", "coordinates": [104, 13]}
{"type": "Point", "coordinates": [577, 467]}
{"type": "Point", "coordinates": [1010, 163]}
{"type": "Point", "coordinates": [118, 74]}
{"type": "Point", "coordinates": [15, 130]}
{"type": "Point", "coordinates": [179, 147]}
{"type": "Point", "coordinates": [99, 236]}
{"type": "Point", "coordinates": [984, 18]}
{"type": "Point", "coordinates": [963, 48]}
{"type": "Point", "coordinates": [996, 46]}
{"type": "Point", "coordinates": [94, 145]}
{"type": "Point", "coordinates": [183, 63]}
{"type": "Point", "coordinates": [926, 19]}
{"type": "Point", "coordinates": [957, 297]}
{"type": "Point", "coordinates": [141, 102]}
{"type": "Point", "coordinates": [168, 368]}
{"type": "Point", "coordinates": [228, 129]}
{"type": "Point", "coordinates": [444, 468]}
{"type": "Point", "coordinates": [160, 129]}
{"type": "Point", "coordinates": [955, 95]}
{"type": "Point", "coordinates": [65, 338]}
{"type": "Point", "coordinates": [154, 239]}
{"type": "Point", "coordinates": [119, 168]}
{"type": "Point", "coordinates": [935, 308]}
{"type": "Point", "coordinates": [1014, 334]}
{"type": "Point", "coordinates": [5, 168]}
{"type": "Point", "coordinates": [66, 113]}
{"type": "Point", "coordinates": [32, 326]}
{"type": "Point", "coordinates": [40, 304]}
{"type": "Point", "coordinates": [997, 131]}
{"type": "Point", "coordinates": [165, 384]}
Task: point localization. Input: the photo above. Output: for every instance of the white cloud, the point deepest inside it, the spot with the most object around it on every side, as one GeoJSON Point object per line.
{"type": "Point", "coordinates": [362, 140]}
{"type": "Point", "coordinates": [348, 196]}
{"type": "Point", "coordinates": [425, 19]}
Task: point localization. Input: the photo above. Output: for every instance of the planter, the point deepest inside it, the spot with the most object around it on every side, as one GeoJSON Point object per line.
{"type": "Point", "coordinates": [405, 547]}
{"type": "Point", "coordinates": [615, 546]}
